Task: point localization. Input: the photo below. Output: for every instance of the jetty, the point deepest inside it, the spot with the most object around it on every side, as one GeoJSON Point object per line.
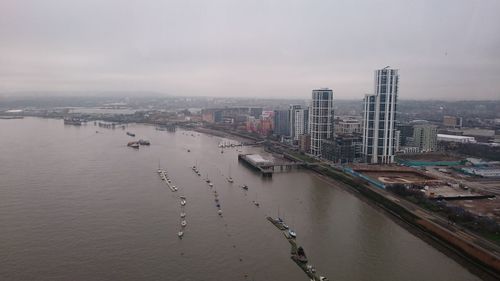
{"type": "Point", "coordinates": [297, 253]}
{"type": "Point", "coordinates": [268, 167]}
{"type": "Point", "coordinates": [276, 222]}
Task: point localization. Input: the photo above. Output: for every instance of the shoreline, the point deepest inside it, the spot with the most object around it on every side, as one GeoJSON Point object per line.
{"type": "Point", "coordinates": [473, 257]}
{"type": "Point", "coordinates": [468, 253]}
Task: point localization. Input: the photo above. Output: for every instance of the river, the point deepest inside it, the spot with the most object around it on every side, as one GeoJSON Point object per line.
{"type": "Point", "coordinates": [76, 204]}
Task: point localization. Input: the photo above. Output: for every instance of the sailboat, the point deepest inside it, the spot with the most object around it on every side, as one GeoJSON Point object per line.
{"type": "Point", "coordinates": [159, 169]}
{"type": "Point", "coordinates": [183, 224]}
{"type": "Point", "coordinates": [230, 179]}
{"type": "Point", "coordinates": [255, 202]}
{"type": "Point", "coordinates": [291, 232]}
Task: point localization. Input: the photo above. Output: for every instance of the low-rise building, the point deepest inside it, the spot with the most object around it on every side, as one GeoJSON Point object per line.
{"type": "Point", "coordinates": [305, 142]}
{"type": "Point", "coordinates": [425, 137]}
{"type": "Point", "coordinates": [347, 125]}
{"type": "Point", "coordinates": [343, 148]}
{"type": "Point", "coordinates": [454, 138]}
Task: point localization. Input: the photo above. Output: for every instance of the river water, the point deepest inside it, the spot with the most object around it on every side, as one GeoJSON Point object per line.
{"type": "Point", "coordinates": [76, 204]}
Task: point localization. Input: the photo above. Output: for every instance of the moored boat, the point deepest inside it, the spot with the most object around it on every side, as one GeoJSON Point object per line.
{"type": "Point", "coordinates": [133, 144]}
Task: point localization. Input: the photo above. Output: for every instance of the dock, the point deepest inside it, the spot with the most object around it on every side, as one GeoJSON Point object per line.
{"type": "Point", "coordinates": [276, 223]}
{"type": "Point", "coordinates": [267, 167]}
{"type": "Point", "coordinates": [294, 252]}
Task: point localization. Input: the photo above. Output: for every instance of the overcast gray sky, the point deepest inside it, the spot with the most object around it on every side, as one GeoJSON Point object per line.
{"type": "Point", "coordinates": [444, 49]}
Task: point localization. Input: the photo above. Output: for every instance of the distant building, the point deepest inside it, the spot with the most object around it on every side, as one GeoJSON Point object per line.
{"type": "Point", "coordinates": [255, 111]}
{"type": "Point", "coordinates": [229, 114]}
{"type": "Point", "coordinates": [347, 125]}
{"type": "Point", "coordinates": [328, 149]}
{"type": "Point", "coordinates": [452, 121]}
{"type": "Point", "coordinates": [454, 138]}
{"type": "Point", "coordinates": [343, 149]}
{"type": "Point", "coordinates": [282, 122]}
{"type": "Point", "coordinates": [320, 119]}
{"type": "Point", "coordinates": [409, 150]}
{"type": "Point", "coordinates": [397, 140]}
{"type": "Point", "coordinates": [406, 133]}
{"type": "Point", "coordinates": [305, 142]}
{"type": "Point", "coordinates": [379, 114]}
{"type": "Point", "coordinates": [425, 137]}
{"type": "Point", "coordinates": [299, 121]}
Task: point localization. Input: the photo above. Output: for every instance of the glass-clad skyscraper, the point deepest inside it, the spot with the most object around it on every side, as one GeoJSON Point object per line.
{"type": "Point", "coordinates": [320, 118]}
{"type": "Point", "coordinates": [379, 115]}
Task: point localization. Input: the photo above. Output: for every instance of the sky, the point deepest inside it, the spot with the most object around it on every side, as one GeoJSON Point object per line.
{"type": "Point", "coordinates": [447, 49]}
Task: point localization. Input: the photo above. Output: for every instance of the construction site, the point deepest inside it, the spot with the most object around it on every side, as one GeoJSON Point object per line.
{"type": "Point", "coordinates": [438, 183]}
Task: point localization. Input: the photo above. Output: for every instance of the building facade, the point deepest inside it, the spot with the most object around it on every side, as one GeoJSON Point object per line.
{"type": "Point", "coordinates": [304, 143]}
{"type": "Point", "coordinates": [320, 119]}
{"type": "Point", "coordinates": [379, 115]}
{"type": "Point", "coordinates": [299, 121]}
{"type": "Point", "coordinates": [425, 137]}
{"type": "Point", "coordinates": [282, 122]}
{"type": "Point", "coordinates": [343, 148]}
{"type": "Point", "coordinates": [347, 125]}
{"type": "Point", "coordinates": [452, 121]}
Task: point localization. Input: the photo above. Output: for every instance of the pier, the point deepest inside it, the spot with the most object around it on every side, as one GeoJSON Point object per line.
{"type": "Point", "coordinates": [267, 167]}
{"type": "Point", "coordinates": [297, 253]}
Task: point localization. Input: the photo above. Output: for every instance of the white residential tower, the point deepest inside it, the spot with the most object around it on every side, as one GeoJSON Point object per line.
{"type": "Point", "coordinates": [379, 115]}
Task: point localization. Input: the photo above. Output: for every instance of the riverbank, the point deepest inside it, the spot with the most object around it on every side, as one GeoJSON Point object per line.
{"type": "Point", "coordinates": [473, 250]}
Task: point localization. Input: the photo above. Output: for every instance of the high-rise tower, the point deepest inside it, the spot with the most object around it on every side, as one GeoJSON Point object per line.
{"type": "Point", "coordinates": [320, 118]}
{"type": "Point", "coordinates": [379, 115]}
{"type": "Point", "coordinates": [299, 121]}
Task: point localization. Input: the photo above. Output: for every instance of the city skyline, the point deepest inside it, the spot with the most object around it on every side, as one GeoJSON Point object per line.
{"type": "Point", "coordinates": [260, 49]}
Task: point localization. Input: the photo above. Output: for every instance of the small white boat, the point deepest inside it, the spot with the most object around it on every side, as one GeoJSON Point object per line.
{"type": "Point", "coordinates": [180, 234]}
{"type": "Point", "coordinates": [230, 180]}
{"type": "Point", "coordinates": [183, 223]}
{"type": "Point", "coordinates": [292, 233]}
{"type": "Point", "coordinates": [183, 215]}
{"type": "Point", "coordinates": [183, 202]}
{"type": "Point", "coordinates": [256, 203]}
{"type": "Point", "coordinates": [219, 212]}
{"type": "Point", "coordinates": [210, 184]}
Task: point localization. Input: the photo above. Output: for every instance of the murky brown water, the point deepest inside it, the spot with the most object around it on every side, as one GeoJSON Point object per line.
{"type": "Point", "coordinates": [80, 205]}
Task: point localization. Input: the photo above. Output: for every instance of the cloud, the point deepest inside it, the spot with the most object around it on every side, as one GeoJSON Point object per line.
{"type": "Point", "coordinates": [445, 49]}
